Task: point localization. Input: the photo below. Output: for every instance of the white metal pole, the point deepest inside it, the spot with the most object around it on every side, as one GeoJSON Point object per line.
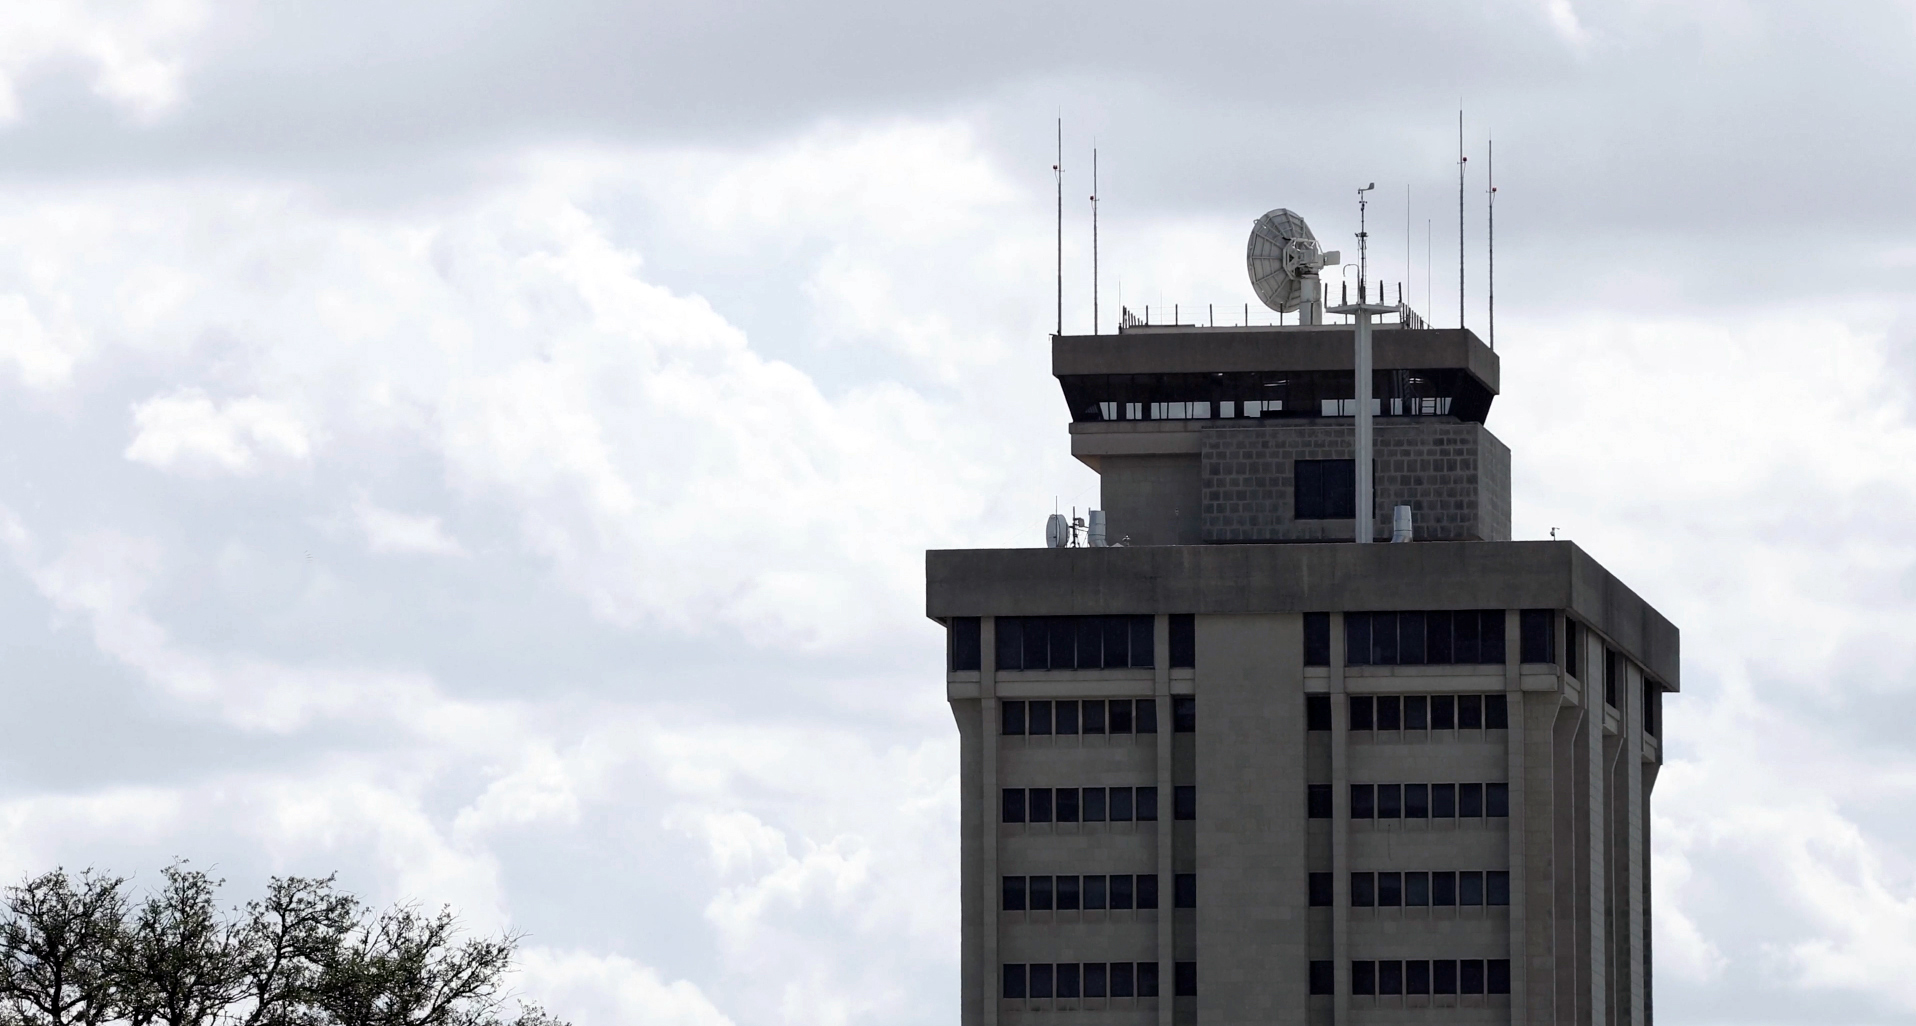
{"type": "Point", "coordinates": [1366, 518]}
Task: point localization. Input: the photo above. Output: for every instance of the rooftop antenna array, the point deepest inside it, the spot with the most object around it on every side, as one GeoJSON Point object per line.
{"type": "Point", "coordinates": [1057, 172]}
{"type": "Point", "coordinates": [1361, 312]}
{"type": "Point", "coordinates": [1363, 244]}
{"type": "Point", "coordinates": [1490, 179]}
{"type": "Point", "coordinates": [1461, 161]}
{"type": "Point", "coordinates": [1094, 240]}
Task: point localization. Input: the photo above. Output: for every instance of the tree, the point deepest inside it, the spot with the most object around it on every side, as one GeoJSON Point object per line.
{"type": "Point", "coordinates": [58, 945]}
{"type": "Point", "coordinates": [179, 962]}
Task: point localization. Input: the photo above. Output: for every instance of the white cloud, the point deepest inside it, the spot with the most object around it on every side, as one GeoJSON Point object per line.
{"type": "Point", "coordinates": [415, 534]}
{"type": "Point", "coordinates": [132, 49]}
{"type": "Point", "coordinates": [44, 356]}
{"type": "Point", "coordinates": [608, 988]}
{"type": "Point", "coordinates": [188, 431]}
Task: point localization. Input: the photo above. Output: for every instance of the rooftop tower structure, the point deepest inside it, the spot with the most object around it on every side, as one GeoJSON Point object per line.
{"type": "Point", "coordinates": [1231, 769]}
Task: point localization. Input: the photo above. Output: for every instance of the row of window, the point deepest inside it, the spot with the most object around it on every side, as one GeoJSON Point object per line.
{"type": "Point", "coordinates": [1200, 409]}
{"type": "Point", "coordinates": [1073, 980]}
{"type": "Point", "coordinates": [1443, 889]}
{"type": "Point", "coordinates": [1391, 977]}
{"type": "Point", "coordinates": [1415, 801]}
{"type": "Point", "coordinates": [1068, 642]}
{"type": "Point", "coordinates": [1094, 716]}
{"type": "Point", "coordinates": [1118, 891]}
{"type": "Point", "coordinates": [1428, 712]}
{"type": "Point", "coordinates": [1082, 804]}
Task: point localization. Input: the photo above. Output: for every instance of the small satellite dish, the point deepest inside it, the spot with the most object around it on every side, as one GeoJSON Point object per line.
{"type": "Point", "coordinates": [1281, 255]}
{"type": "Point", "coordinates": [1057, 531]}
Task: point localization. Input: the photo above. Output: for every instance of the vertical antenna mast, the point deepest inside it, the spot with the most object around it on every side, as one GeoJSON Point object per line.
{"type": "Point", "coordinates": [1490, 179]}
{"type": "Point", "coordinates": [1406, 281]}
{"type": "Point", "coordinates": [1094, 240]}
{"type": "Point", "coordinates": [1363, 240]}
{"type": "Point", "coordinates": [1057, 172]}
{"type": "Point", "coordinates": [1461, 161]}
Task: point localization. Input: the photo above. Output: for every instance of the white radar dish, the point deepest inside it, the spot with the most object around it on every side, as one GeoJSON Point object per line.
{"type": "Point", "coordinates": [1281, 254]}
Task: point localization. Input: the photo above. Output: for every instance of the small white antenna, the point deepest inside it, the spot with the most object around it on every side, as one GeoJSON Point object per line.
{"type": "Point", "coordinates": [1461, 161]}
{"type": "Point", "coordinates": [1094, 240]}
{"type": "Point", "coordinates": [1057, 172]}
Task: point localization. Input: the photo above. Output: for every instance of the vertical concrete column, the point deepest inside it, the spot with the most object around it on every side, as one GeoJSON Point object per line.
{"type": "Point", "coordinates": [1570, 863]}
{"type": "Point", "coordinates": [1167, 949]}
{"type": "Point", "coordinates": [1340, 828]}
{"type": "Point", "coordinates": [1630, 786]}
{"type": "Point", "coordinates": [1590, 847]}
{"type": "Point", "coordinates": [1514, 752]}
{"type": "Point", "coordinates": [984, 893]}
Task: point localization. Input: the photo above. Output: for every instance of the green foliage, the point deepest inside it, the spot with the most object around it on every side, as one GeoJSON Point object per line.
{"type": "Point", "coordinates": [75, 952]}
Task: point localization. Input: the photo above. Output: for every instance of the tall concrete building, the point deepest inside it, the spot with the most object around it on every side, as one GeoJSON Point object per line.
{"type": "Point", "coordinates": [1233, 769]}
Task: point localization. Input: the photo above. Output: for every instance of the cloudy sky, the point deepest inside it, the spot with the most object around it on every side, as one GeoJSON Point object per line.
{"type": "Point", "coordinates": [487, 448]}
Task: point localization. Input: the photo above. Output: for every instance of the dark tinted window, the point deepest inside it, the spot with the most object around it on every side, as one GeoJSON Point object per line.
{"type": "Point", "coordinates": [1443, 801]}
{"type": "Point", "coordinates": [1416, 889]}
{"type": "Point", "coordinates": [1652, 705]}
{"type": "Point", "coordinates": [1039, 721]}
{"type": "Point", "coordinates": [1496, 712]}
{"type": "Point", "coordinates": [1147, 804]}
{"type": "Point", "coordinates": [1390, 801]}
{"type": "Point", "coordinates": [1120, 710]}
{"type": "Point", "coordinates": [1120, 804]}
{"type": "Point", "coordinates": [1040, 893]}
{"type": "Point", "coordinates": [1122, 896]}
{"type": "Point", "coordinates": [1096, 892]}
{"type": "Point", "coordinates": [1416, 801]}
{"type": "Point", "coordinates": [1470, 801]}
{"type": "Point", "coordinates": [1073, 642]}
{"type": "Point", "coordinates": [961, 643]}
{"type": "Point", "coordinates": [1416, 712]}
{"type": "Point", "coordinates": [1356, 639]}
{"type": "Point", "coordinates": [1184, 802]}
{"type": "Point", "coordinates": [1184, 713]}
{"type": "Point", "coordinates": [1417, 976]}
{"type": "Point", "coordinates": [1539, 629]}
{"type": "Point", "coordinates": [1317, 801]}
{"type": "Point", "coordinates": [1390, 889]}
{"type": "Point", "coordinates": [1470, 976]}
{"type": "Point", "coordinates": [1612, 671]}
{"type": "Point", "coordinates": [1390, 977]}
{"type": "Point", "coordinates": [1325, 490]}
{"type": "Point", "coordinates": [1147, 979]}
{"type": "Point", "coordinates": [1069, 980]}
{"type": "Point", "coordinates": [1094, 805]}
{"type": "Point", "coordinates": [1066, 717]}
{"type": "Point", "coordinates": [1042, 981]}
{"type": "Point", "coordinates": [1143, 640]}
{"type": "Point", "coordinates": [1067, 804]}
{"type": "Point", "coordinates": [1038, 804]}
{"type": "Point", "coordinates": [1011, 717]}
{"type": "Point", "coordinates": [1317, 639]}
{"type": "Point", "coordinates": [1184, 890]}
{"type": "Point", "coordinates": [1147, 890]}
{"type": "Point", "coordinates": [1413, 638]}
{"type": "Point", "coordinates": [1443, 712]}
{"type": "Point", "coordinates": [1572, 648]}
{"type": "Point", "coordinates": [1363, 890]}
{"type": "Point", "coordinates": [1320, 889]}
{"type": "Point", "coordinates": [1014, 981]}
{"type": "Point", "coordinates": [1147, 715]}
{"type": "Point", "coordinates": [1443, 976]}
{"type": "Point", "coordinates": [1497, 888]}
{"type": "Point", "coordinates": [1497, 975]}
{"type": "Point", "coordinates": [1122, 980]}
{"type": "Point", "coordinates": [1470, 712]}
{"type": "Point", "coordinates": [1317, 712]}
{"type": "Point", "coordinates": [1363, 977]}
{"type": "Point", "coordinates": [1363, 712]}
{"type": "Point", "coordinates": [1014, 805]}
{"type": "Point", "coordinates": [1497, 800]}
{"type": "Point", "coordinates": [1390, 712]}
{"type": "Point", "coordinates": [1070, 896]}
{"type": "Point", "coordinates": [1363, 801]}
{"type": "Point", "coordinates": [1186, 974]}
{"type": "Point", "coordinates": [1443, 889]}
{"type": "Point", "coordinates": [1470, 888]}
{"type": "Point", "coordinates": [1323, 977]}
{"type": "Point", "coordinates": [1183, 640]}
{"type": "Point", "coordinates": [1093, 715]}
{"type": "Point", "coordinates": [1014, 894]}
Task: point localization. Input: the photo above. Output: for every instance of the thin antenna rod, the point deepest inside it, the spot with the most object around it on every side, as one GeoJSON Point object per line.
{"type": "Point", "coordinates": [1490, 179]}
{"type": "Point", "coordinates": [1057, 172]}
{"type": "Point", "coordinates": [1461, 161]}
{"type": "Point", "coordinates": [1094, 240]}
{"type": "Point", "coordinates": [1363, 239]}
{"type": "Point", "coordinates": [1428, 309]}
{"type": "Point", "coordinates": [1400, 287]}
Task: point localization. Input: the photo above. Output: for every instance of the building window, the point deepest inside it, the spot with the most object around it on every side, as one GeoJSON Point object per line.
{"type": "Point", "coordinates": [1015, 982]}
{"type": "Point", "coordinates": [1042, 980]}
{"type": "Point", "coordinates": [1317, 801]}
{"type": "Point", "coordinates": [1470, 888]}
{"type": "Point", "coordinates": [1363, 712]}
{"type": "Point", "coordinates": [1147, 713]}
{"type": "Point", "coordinates": [1147, 890]}
{"type": "Point", "coordinates": [1435, 638]}
{"type": "Point", "coordinates": [1094, 807]}
{"type": "Point", "coordinates": [1497, 800]}
{"type": "Point", "coordinates": [1417, 976]}
{"type": "Point", "coordinates": [1538, 629]}
{"type": "Point", "coordinates": [1122, 894]}
{"type": "Point", "coordinates": [1612, 670]}
{"type": "Point", "coordinates": [1470, 976]}
{"type": "Point", "coordinates": [1390, 712]}
{"type": "Point", "coordinates": [1070, 895]}
{"type": "Point", "coordinates": [1073, 642]}
{"type": "Point", "coordinates": [1066, 804]}
{"type": "Point", "coordinates": [1066, 717]}
{"type": "Point", "coordinates": [1317, 639]}
{"type": "Point", "coordinates": [1572, 648]}
{"type": "Point", "coordinates": [1317, 712]}
{"type": "Point", "coordinates": [1121, 717]}
{"type": "Point", "coordinates": [1184, 802]}
{"type": "Point", "coordinates": [1093, 717]}
{"type": "Point", "coordinates": [1014, 894]}
{"type": "Point", "coordinates": [1185, 977]}
{"type": "Point", "coordinates": [1184, 890]}
{"type": "Point", "coordinates": [1390, 977]}
{"type": "Point", "coordinates": [1013, 810]}
{"type": "Point", "coordinates": [1652, 706]}
{"type": "Point", "coordinates": [1323, 977]}
{"type": "Point", "coordinates": [1011, 718]}
{"type": "Point", "coordinates": [1096, 893]}
{"type": "Point", "coordinates": [1325, 490]}
{"type": "Point", "coordinates": [1390, 801]}
{"type": "Point", "coordinates": [1443, 889]}
{"type": "Point", "coordinates": [1147, 803]}
{"type": "Point", "coordinates": [1496, 712]}
{"type": "Point", "coordinates": [1470, 801]}
{"type": "Point", "coordinates": [1416, 890]}
{"type": "Point", "coordinates": [1497, 975]}
{"type": "Point", "coordinates": [1416, 712]}
{"type": "Point", "coordinates": [1443, 976]}
{"type": "Point", "coordinates": [1038, 718]}
{"type": "Point", "coordinates": [1443, 801]}
{"type": "Point", "coordinates": [1320, 889]}
{"type": "Point", "coordinates": [1096, 980]}
{"type": "Point", "coordinates": [1470, 712]}
{"type": "Point", "coordinates": [1120, 803]}
{"type": "Point", "coordinates": [1363, 890]}
{"type": "Point", "coordinates": [961, 644]}
{"type": "Point", "coordinates": [1390, 890]}
{"type": "Point", "coordinates": [1069, 980]}
{"type": "Point", "coordinates": [1147, 979]}
{"type": "Point", "coordinates": [1184, 714]}
{"type": "Point", "coordinates": [1497, 888]}
{"type": "Point", "coordinates": [1443, 712]}
{"type": "Point", "coordinates": [1416, 801]}
{"type": "Point", "coordinates": [1363, 977]}
{"type": "Point", "coordinates": [1183, 641]}
{"type": "Point", "coordinates": [1363, 801]}
{"type": "Point", "coordinates": [1039, 893]}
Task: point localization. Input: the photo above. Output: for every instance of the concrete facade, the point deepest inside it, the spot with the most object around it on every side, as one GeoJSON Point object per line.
{"type": "Point", "coordinates": [1577, 753]}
